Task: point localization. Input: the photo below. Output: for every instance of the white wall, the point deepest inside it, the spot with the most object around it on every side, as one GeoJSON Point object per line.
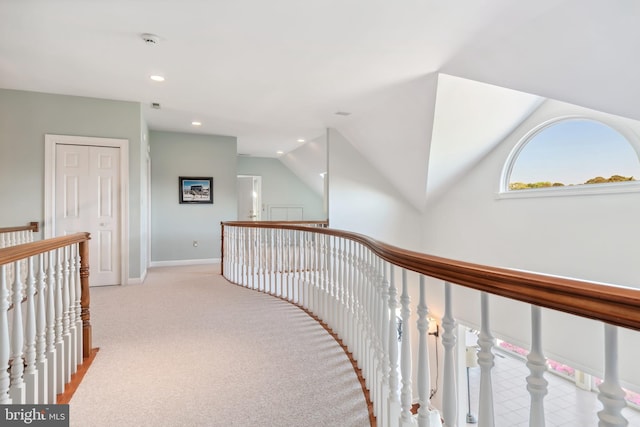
{"type": "Point", "coordinates": [363, 201]}
{"type": "Point", "coordinates": [592, 237]}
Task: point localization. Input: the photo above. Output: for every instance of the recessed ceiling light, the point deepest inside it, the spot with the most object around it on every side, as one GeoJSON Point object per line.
{"type": "Point", "coordinates": [279, 152]}
{"type": "Point", "coordinates": [196, 123]}
{"type": "Point", "coordinates": [157, 78]}
{"type": "Point", "coordinates": [301, 140]}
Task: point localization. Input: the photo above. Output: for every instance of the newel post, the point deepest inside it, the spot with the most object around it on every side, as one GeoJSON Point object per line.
{"type": "Point", "coordinates": [221, 248]}
{"type": "Point", "coordinates": [85, 298]}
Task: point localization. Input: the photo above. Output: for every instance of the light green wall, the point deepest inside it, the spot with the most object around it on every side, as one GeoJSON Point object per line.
{"type": "Point", "coordinates": [25, 118]}
{"type": "Point", "coordinates": [175, 226]}
{"type": "Point", "coordinates": [280, 186]}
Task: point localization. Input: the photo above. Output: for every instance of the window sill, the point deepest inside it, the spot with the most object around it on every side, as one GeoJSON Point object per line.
{"type": "Point", "coordinates": [576, 190]}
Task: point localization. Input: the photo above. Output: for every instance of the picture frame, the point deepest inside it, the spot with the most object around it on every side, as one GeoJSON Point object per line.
{"type": "Point", "coordinates": [195, 189]}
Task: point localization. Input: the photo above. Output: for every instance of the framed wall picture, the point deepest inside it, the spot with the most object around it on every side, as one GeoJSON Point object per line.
{"type": "Point", "coordinates": [195, 189]}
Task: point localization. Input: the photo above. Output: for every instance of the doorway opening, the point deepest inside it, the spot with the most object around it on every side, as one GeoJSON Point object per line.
{"type": "Point", "coordinates": [249, 198]}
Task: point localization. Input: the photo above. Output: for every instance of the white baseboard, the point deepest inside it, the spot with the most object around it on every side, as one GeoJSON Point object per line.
{"type": "Point", "coordinates": [184, 262]}
{"type": "Point", "coordinates": [137, 280]}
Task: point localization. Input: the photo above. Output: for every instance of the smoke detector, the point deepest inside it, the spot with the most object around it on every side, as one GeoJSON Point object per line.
{"type": "Point", "coordinates": [150, 39]}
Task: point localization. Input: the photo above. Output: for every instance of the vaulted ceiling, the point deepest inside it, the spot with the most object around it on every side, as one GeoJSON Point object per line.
{"type": "Point", "coordinates": [274, 72]}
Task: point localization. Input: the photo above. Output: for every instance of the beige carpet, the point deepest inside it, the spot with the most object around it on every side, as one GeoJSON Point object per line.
{"type": "Point", "coordinates": [187, 348]}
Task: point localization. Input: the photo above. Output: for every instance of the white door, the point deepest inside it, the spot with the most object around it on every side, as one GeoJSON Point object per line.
{"type": "Point", "coordinates": [87, 198]}
{"type": "Point", "coordinates": [249, 198]}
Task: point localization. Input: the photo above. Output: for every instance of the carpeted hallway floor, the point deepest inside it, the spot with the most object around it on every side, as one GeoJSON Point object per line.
{"type": "Point", "coordinates": [187, 348]}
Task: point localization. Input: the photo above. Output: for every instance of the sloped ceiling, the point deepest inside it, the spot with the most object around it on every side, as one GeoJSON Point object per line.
{"type": "Point", "coordinates": [471, 118]}
{"type": "Point", "coordinates": [394, 134]}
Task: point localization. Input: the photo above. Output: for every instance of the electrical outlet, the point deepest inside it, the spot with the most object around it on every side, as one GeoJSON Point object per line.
{"type": "Point", "coordinates": [195, 243]}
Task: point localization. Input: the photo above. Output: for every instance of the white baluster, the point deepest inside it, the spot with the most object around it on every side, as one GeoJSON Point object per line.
{"type": "Point", "coordinates": [255, 258]}
{"type": "Point", "coordinates": [350, 314]}
{"type": "Point", "coordinates": [338, 279]}
{"type": "Point", "coordinates": [78, 304]}
{"type": "Point", "coordinates": [611, 394]}
{"type": "Point", "coordinates": [357, 304]}
{"type": "Point", "coordinates": [321, 277]}
{"type": "Point", "coordinates": [292, 265]}
{"type": "Point", "coordinates": [406, 419]}
{"type": "Point", "coordinates": [281, 254]}
{"type": "Point", "coordinates": [269, 261]}
{"type": "Point", "coordinates": [372, 315]}
{"type": "Point", "coordinates": [297, 267]}
{"type": "Point", "coordinates": [264, 260]}
{"type": "Point", "coordinates": [60, 354]}
{"type": "Point", "coordinates": [240, 261]}
{"type": "Point", "coordinates": [330, 282]}
{"type": "Point", "coordinates": [426, 417]}
{"type": "Point", "coordinates": [394, 401]}
{"type": "Point", "coordinates": [384, 342]}
{"type": "Point", "coordinates": [337, 271]}
{"type": "Point", "coordinates": [5, 398]}
{"type": "Point", "coordinates": [315, 277]}
{"type": "Point", "coordinates": [30, 372]}
{"type": "Point", "coordinates": [537, 364]}
{"type": "Point", "coordinates": [66, 334]}
{"type": "Point", "coordinates": [52, 364]}
{"type": "Point", "coordinates": [485, 361]}
{"type": "Point", "coordinates": [307, 267]}
{"type": "Point", "coordinates": [17, 389]}
{"type": "Point", "coordinates": [235, 232]}
{"type": "Point", "coordinates": [449, 388]}
{"type": "Point", "coordinates": [364, 321]}
{"type": "Point", "coordinates": [371, 324]}
{"type": "Point", "coordinates": [251, 258]}
{"type": "Point", "coordinates": [262, 282]}
{"type": "Point", "coordinates": [73, 343]}
{"type": "Point", "coordinates": [41, 327]}
{"type": "Point", "coordinates": [378, 309]}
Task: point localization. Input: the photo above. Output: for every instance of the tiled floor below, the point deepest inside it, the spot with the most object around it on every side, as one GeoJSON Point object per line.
{"type": "Point", "coordinates": [565, 404]}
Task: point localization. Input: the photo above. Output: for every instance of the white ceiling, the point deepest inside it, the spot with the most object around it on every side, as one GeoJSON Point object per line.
{"type": "Point", "coordinates": [272, 72]}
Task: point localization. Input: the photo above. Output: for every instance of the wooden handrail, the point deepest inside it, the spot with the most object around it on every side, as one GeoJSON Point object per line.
{"type": "Point", "coordinates": [611, 304]}
{"type": "Point", "coordinates": [18, 252]}
{"type": "Point", "coordinates": [26, 250]}
{"type": "Point", "coordinates": [33, 226]}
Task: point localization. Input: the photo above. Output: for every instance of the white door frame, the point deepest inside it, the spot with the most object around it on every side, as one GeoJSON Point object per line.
{"type": "Point", "coordinates": [50, 142]}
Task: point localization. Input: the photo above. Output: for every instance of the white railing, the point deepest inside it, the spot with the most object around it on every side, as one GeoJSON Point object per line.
{"type": "Point", "coordinates": [375, 299]}
{"type": "Point", "coordinates": [12, 236]}
{"type": "Point", "coordinates": [44, 317]}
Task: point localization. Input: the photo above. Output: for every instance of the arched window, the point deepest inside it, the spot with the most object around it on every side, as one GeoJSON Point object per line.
{"type": "Point", "coordinates": [572, 153]}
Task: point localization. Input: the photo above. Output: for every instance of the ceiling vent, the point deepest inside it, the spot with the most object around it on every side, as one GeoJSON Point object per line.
{"type": "Point", "coordinates": [155, 105]}
{"type": "Point", "coordinates": [342, 113]}
{"type": "Point", "coordinates": [150, 39]}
